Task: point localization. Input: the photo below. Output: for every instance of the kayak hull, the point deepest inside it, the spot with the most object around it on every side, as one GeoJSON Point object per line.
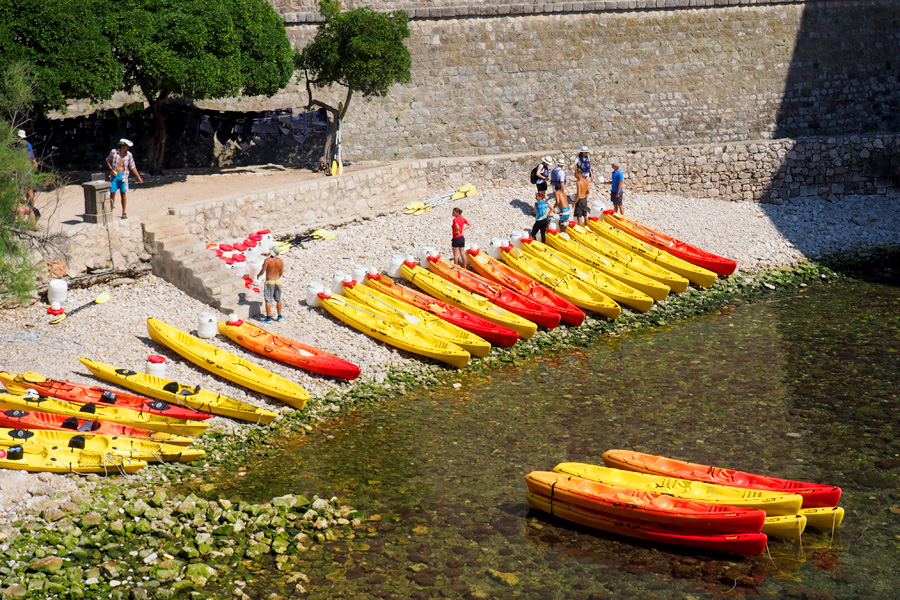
{"type": "Point", "coordinates": [815, 495]}
{"type": "Point", "coordinates": [284, 349]}
{"type": "Point", "coordinates": [85, 394]}
{"type": "Point", "coordinates": [33, 419]}
{"type": "Point", "coordinates": [491, 332]}
{"type": "Point", "coordinates": [675, 247]}
{"type": "Point", "coordinates": [227, 365]}
{"type": "Point", "coordinates": [135, 449]}
{"type": "Point", "coordinates": [174, 392]}
{"type": "Point", "coordinates": [749, 544]}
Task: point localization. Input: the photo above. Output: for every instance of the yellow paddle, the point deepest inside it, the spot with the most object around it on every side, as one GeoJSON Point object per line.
{"type": "Point", "coordinates": [104, 297]}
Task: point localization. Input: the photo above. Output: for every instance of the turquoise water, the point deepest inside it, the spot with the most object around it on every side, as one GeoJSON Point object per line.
{"type": "Point", "coordinates": [805, 386]}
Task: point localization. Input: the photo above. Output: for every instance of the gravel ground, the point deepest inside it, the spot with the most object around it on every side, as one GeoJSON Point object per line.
{"type": "Point", "coordinates": [759, 237]}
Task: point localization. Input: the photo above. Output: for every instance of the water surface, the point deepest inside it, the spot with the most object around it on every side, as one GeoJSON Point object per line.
{"type": "Point", "coordinates": [804, 387]}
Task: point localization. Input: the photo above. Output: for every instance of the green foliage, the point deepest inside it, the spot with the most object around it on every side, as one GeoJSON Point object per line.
{"type": "Point", "coordinates": [200, 48]}
{"type": "Point", "coordinates": [17, 176]}
{"type": "Point", "coordinates": [63, 43]}
{"type": "Point", "coordinates": [360, 49]}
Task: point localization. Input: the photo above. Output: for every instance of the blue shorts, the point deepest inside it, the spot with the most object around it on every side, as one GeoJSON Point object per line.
{"type": "Point", "coordinates": [119, 183]}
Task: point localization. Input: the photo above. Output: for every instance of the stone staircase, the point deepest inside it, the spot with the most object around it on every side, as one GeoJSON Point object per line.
{"type": "Point", "coordinates": [182, 259]}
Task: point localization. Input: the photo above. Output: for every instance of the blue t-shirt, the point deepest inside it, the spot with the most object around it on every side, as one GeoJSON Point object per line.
{"type": "Point", "coordinates": [584, 163]}
{"type": "Point", "coordinates": [617, 178]}
{"type": "Point", "coordinates": [541, 210]}
{"type": "Point", "coordinates": [29, 151]}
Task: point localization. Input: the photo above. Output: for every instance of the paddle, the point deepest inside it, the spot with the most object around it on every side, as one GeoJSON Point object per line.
{"type": "Point", "coordinates": [456, 196]}
{"type": "Point", "coordinates": [104, 297]}
{"type": "Point", "coordinates": [463, 190]}
{"type": "Point", "coordinates": [318, 234]}
{"type": "Point", "coordinates": [339, 161]}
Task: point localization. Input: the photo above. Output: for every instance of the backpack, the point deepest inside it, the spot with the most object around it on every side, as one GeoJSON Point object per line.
{"type": "Point", "coordinates": [534, 177]}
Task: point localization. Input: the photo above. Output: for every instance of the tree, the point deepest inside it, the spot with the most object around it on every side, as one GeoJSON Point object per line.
{"type": "Point", "coordinates": [359, 49]}
{"type": "Point", "coordinates": [197, 49]}
{"type": "Point", "coordinates": [17, 234]}
{"type": "Point", "coordinates": [62, 43]}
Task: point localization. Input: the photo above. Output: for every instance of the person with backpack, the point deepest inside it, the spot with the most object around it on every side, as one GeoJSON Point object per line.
{"type": "Point", "coordinates": [540, 175]}
{"type": "Point", "coordinates": [561, 202]}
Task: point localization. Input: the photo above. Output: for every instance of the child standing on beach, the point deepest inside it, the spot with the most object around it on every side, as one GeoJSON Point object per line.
{"type": "Point", "coordinates": [459, 241]}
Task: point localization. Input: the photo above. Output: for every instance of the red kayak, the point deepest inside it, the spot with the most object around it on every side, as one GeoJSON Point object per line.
{"type": "Point", "coordinates": [750, 544]}
{"type": "Point", "coordinates": [815, 495]}
{"type": "Point", "coordinates": [87, 394]}
{"type": "Point", "coordinates": [503, 297]}
{"type": "Point", "coordinates": [23, 419]}
{"type": "Point", "coordinates": [286, 350]}
{"type": "Point", "coordinates": [495, 334]}
{"type": "Point", "coordinates": [499, 272]}
{"type": "Point", "coordinates": [675, 247]}
{"type": "Point", "coordinates": [677, 515]}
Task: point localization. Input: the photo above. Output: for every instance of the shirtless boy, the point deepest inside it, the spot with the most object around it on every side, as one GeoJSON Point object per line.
{"type": "Point", "coordinates": [273, 267]}
{"type": "Point", "coordinates": [581, 198]}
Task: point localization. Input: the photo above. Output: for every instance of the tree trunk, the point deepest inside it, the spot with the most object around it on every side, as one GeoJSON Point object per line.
{"type": "Point", "coordinates": [327, 150]}
{"type": "Point", "coordinates": [156, 145]}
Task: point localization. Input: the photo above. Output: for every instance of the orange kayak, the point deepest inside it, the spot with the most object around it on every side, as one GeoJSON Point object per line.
{"type": "Point", "coordinates": [87, 394]}
{"type": "Point", "coordinates": [493, 269]}
{"type": "Point", "coordinates": [675, 247]}
{"type": "Point", "coordinates": [284, 349]}
{"type": "Point", "coordinates": [504, 297]}
{"type": "Point", "coordinates": [815, 495]}
{"type": "Point", "coordinates": [750, 544]}
{"type": "Point", "coordinates": [648, 508]}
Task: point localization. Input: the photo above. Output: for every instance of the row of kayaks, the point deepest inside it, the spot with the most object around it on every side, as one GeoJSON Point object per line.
{"type": "Point", "coordinates": [669, 501]}
{"type": "Point", "coordinates": [456, 313]}
{"type": "Point", "coordinates": [63, 426]}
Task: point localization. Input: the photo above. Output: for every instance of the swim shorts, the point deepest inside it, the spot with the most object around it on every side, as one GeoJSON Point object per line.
{"type": "Point", "coordinates": [581, 208]}
{"type": "Point", "coordinates": [616, 200]}
{"type": "Point", "coordinates": [272, 292]}
{"type": "Point", "coordinates": [118, 183]}
{"type": "Point", "coordinates": [458, 242]}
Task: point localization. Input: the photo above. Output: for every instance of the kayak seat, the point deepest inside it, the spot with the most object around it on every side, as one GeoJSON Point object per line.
{"type": "Point", "coordinates": [665, 502]}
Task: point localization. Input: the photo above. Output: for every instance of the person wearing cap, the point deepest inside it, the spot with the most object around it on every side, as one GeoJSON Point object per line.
{"type": "Point", "coordinates": [561, 201]}
{"type": "Point", "coordinates": [273, 267]}
{"type": "Point", "coordinates": [27, 210]}
{"type": "Point", "coordinates": [583, 162]}
{"type": "Point", "coordinates": [615, 193]}
{"type": "Point", "coordinates": [120, 162]}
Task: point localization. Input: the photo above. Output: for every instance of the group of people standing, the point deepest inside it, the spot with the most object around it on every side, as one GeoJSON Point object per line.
{"type": "Point", "coordinates": [562, 203]}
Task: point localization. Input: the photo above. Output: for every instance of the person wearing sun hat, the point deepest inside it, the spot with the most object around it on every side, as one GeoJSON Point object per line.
{"type": "Point", "coordinates": [120, 162]}
{"type": "Point", "coordinates": [583, 162]}
{"type": "Point", "coordinates": [273, 267]}
{"type": "Point", "coordinates": [561, 201]}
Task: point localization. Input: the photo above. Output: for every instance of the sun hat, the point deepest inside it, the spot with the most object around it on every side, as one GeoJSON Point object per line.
{"type": "Point", "coordinates": [126, 142]}
{"type": "Point", "coordinates": [21, 133]}
{"type": "Point", "coordinates": [274, 251]}
{"type": "Point", "coordinates": [560, 163]}
{"type": "Point", "coordinates": [585, 149]}
{"type": "Point", "coordinates": [547, 160]}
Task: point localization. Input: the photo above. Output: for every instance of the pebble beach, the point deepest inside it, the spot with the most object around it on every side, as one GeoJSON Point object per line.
{"type": "Point", "coordinates": [760, 237]}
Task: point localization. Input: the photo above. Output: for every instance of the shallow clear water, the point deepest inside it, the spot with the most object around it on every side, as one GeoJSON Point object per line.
{"type": "Point", "coordinates": [804, 387]}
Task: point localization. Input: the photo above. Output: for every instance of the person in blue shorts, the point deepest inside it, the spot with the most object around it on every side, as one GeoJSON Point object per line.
{"type": "Point", "coordinates": [561, 201]}
{"type": "Point", "coordinates": [615, 193]}
{"type": "Point", "coordinates": [120, 162]}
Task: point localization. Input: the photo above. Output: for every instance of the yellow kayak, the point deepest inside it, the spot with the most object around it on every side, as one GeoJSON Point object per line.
{"type": "Point", "coordinates": [390, 307]}
{"type": "Point", "coordinates": [25, 456]}
{"type": "Point", "coordinates": [829, 517]}
{"type": "Point", "coordinates": [131, 448]}
{"type": "Point", "coordinates": [112, 414]}
{"type": "Point", "coordinates": [615, 289]}
{"type": "Point", "coordinates": [569, 246]}
{"type": "Point", "coordinates": [569, 287]}
{"type": "Point", "coordinates": [179, 393]}
{"type": "Point", "coordinates": [637, 263]}
{"type": "Point", "coordinates": [227, 365]}
{"type": "Point", "coordinates": [395, 331]}
{"type": "Point", "coordinates": [775, 504]}
{"type": "Point", "coordinates": [699, 275]}
{"type": "Point", "coordinates": [454, 295]}
{"type": "Point", "coordinates": [788, 527]}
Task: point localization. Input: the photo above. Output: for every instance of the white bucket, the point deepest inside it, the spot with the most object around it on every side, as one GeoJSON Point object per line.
{"type": "Point", "coordinates": [359, 273]}
{"type": "Point", "coordinates": [496, 244]}
{"type": "Point", "coordinates": [393, 269]}
{"type": "Point", "coordinates": [156, 365]}
{"type": "Point", "coordinates": [265, 244]}
{"type": "Point", "coordinates": [554, 223]}
{"type": "Point", "coordinates": [312, 293]}
{"type": "Point", "coordinates": [516, 238]}
{"type": "Point", "coordinates": [240, 268]}
{"type": "Point", "coordinates": [57, 291]}
{"type": "Point", "coordinates": [253, 267]}
{"type": "Point", "coordinates": [206, 326]}
{"type": "Point", "coordinates": [425, 253]}
{"type": "Point", "coordinates": [337, 283]}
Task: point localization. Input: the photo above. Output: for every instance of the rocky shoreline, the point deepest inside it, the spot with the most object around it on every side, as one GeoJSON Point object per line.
{"type": "Point", "coordinates": [42, 515]}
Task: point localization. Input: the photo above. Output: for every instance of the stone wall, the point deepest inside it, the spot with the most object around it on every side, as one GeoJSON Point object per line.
{"type": "Point", "coordinates": [95, 248]}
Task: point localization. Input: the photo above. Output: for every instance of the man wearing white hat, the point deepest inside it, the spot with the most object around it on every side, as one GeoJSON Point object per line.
{"type": "Point", "coordinates": [120, 163]}
{"type": "Point", "coordinates": [273, 267]}
{"type": "Point", "coordinates": [561, 204]}
{"type": "Point", "coordinates": [27, 211]}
